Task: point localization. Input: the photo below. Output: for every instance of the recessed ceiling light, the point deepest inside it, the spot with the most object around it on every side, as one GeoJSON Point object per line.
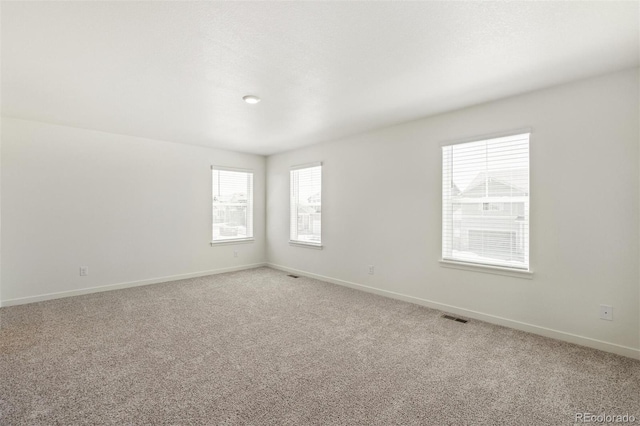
{"type": "Point", "coordinates": [250, 99]}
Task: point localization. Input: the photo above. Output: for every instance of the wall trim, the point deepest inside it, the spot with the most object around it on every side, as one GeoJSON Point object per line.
{"type": "Point", "coordinates": [119, 286]}
{"type": "Point", "coordinates": [518, 325]}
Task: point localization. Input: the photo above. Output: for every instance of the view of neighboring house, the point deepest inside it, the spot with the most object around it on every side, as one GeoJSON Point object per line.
{"type": "Point", "coordinates": [230, 215]}
{"type": "Point", "coordinates": [488, 216]}
{"type": "Point", "coordinates": [309, 214]}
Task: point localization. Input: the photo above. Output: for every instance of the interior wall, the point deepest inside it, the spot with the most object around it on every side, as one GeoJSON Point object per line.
{"type": "Point", "coordinates": [382, 206]}
{"type": "Point", "coordinates": [133, 210]}
{"type": "Point", "coordinates": [0, 172]}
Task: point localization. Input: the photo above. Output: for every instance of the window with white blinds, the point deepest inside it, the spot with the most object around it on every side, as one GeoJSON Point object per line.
{"type": "Point", "coordinates": [232, 204]}
{"type": "Point", "coordinates": [485, 202]}
{"type": "Point", "coordinates": [306, 204]}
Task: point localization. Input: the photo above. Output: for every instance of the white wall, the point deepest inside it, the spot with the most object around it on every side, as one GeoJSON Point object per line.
{"type": "Point", "coordinates": [584, 213]}
{"type": "Point", "coordinates": [131, 209]}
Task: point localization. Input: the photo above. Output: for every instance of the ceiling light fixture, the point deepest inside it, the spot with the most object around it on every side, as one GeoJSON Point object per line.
{"type": "Point", "coordinates": [251, 99]}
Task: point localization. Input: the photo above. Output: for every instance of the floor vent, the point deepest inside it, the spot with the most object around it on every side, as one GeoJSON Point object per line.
{"type": "Point", "coordinates": [449, 317]}
{"type": "Point", "coordinates": [293, 276]}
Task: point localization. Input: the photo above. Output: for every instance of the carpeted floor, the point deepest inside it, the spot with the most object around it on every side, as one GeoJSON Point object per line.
{"type": "Point", "coordinates": [257, 347]}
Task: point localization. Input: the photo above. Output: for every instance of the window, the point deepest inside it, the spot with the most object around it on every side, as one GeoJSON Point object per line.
{"type": "Point", "coordinates": [306, 205]}
{"type": "Point", "coordinates": [232, 204]}
{"type": "Point", "coordinates": [485, 202]}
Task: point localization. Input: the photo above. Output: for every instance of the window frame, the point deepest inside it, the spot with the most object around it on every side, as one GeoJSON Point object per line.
{"type": "Point", "coordinates": [483, 267]}
{"type": "Point", "coordinates": [296, 242]}
{"type": "Point", "coordinates": [250, 206]}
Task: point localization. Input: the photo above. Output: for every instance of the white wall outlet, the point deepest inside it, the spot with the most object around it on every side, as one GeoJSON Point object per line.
{"type": "Point", "coordinates": [606, 312]}
{"type": "Point", "coordinates": [235, 253]}
{"type": "Point", "coordinates": [84, 271]}
{"type": "Point", "coordinates": [372, 269]}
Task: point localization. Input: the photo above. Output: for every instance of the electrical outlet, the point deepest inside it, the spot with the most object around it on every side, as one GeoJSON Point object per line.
{"type": "Point", "coordinates": [235, 253]}
{"type": "Point", "coordinates": [606, 312]}
{"type": "Point", "coordinates": [372, 269]}
{"type": "Point", "coordinates": [84, 271]}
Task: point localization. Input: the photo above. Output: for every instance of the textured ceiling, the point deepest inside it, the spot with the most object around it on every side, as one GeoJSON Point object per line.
{"type": "Point", "coordinates": [177, 71]}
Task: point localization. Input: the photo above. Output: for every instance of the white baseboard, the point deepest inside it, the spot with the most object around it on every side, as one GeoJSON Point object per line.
{"type": "Point", "coordinates": [542, 331]}
{"type": "Point", "coordinates": [59, 295]}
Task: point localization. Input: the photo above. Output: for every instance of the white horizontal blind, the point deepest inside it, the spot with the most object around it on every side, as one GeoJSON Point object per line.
{"type": "Point", "coordinates": [232, 204]}
{"type": "Point", "coordinates": [306, 205]}
{"type": "Point", "coordinates": [485, 202]}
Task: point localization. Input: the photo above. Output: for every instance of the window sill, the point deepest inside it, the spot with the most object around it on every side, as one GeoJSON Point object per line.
{"type": "Point", "coordinates": [487, 269]}
{"type": "Point", "coordinates": [237, 241]}
{"type": "Point", "coordinates": [305, 245]}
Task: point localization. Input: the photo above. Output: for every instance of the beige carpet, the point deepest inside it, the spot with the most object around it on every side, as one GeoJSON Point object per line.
{"type": "Point", "coordinates": [257, 347]}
